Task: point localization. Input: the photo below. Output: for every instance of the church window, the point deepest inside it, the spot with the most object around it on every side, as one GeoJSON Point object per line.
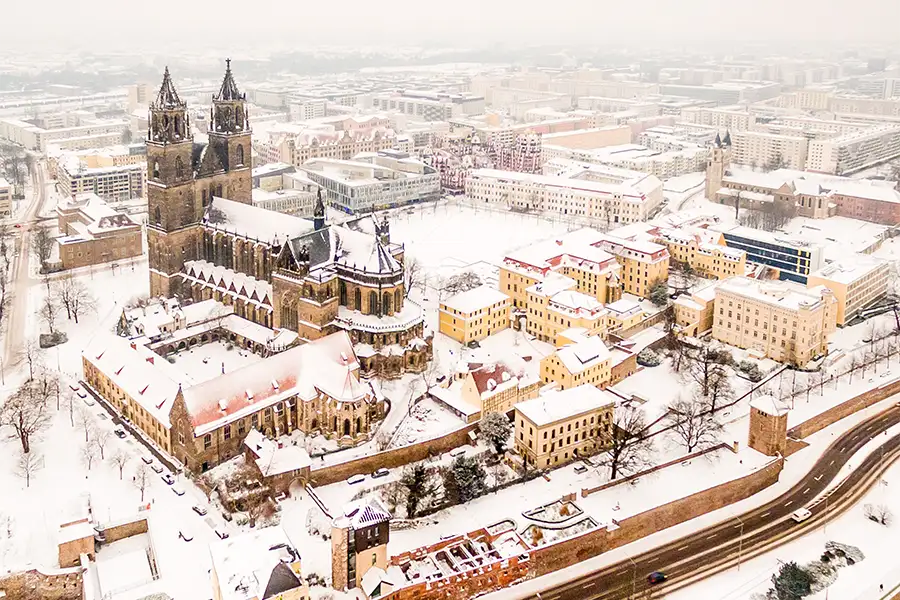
{"type": "Point", "coordinates": [157, 216]}
{"type": "Point", "coordinates": [179, 168]}
{"type": "Point", "coordinates": [343, 292]}
{"type": "Point", "coordinates": [205, 198]}
{"type": "Point", "coordinates": [155, 169]}
{"type": "Point", "coordinates": [240, 154]}
{"type": "Point", "coordinates": [386, 303]}
{"type": "Point", "coordinates": [373, 303]}
{"type": "Point", "coordinates": [358, 299]}
{"type": "Point", "coordinates": [219, 190]}
{"type": "Point", "coordinates": [398, 299]}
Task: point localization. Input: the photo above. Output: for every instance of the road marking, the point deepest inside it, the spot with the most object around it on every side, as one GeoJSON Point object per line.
{"type": "Point", "coordinates": [831, 463]}
{"type": "Point", "coordinates": [818, 478]}
{"type": "Point", "coordinates": [682, 548]}
{"type": "Point", "coordinates": [764, 515]}
{"type": "Point", "coordinates": [806, 491]}
{"type": "Point", "coordinates": [709, 537]}
{"type": "Point", "coordinates": [842, 449]}
{"type": "Point", "coordinates": [588, 585]}
{"type": "Point", "coordinates": [789, 502]}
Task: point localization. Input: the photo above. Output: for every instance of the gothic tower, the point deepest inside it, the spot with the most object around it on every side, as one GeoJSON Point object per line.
{"type": "Point", "coordinates": [172, 212]}
{"type": "Point", "coordinates": [319, 211]}
{"type": "Point", "coordinates": [229, 141]}
{"type": "Point", "coordinates": [716, 167]}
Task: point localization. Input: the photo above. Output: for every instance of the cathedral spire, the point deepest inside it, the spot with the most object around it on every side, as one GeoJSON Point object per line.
{"type": "Point", "coordinates": [319, 211]}
{"type": "Point", "coordinates": [229, 90]}
{"type": "Point", "coordinates": [167, 97]}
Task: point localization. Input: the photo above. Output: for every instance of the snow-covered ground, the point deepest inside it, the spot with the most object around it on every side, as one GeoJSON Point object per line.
{"type": "Point", "coordinates": [208, 361]}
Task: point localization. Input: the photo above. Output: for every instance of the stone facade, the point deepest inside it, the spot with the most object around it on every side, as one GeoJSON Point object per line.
{"type": "Point", "coordinates": [768, 432]}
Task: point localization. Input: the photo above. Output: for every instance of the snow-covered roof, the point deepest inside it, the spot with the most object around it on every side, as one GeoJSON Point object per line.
{"type": "Point", "coordinates": [557, 405]}
{"type": "Point", "coordinates": [552, 285]}
{"type": "Point", "coordinates": [624, 306]}
{"type": "Point", "coordinates": [145, 377]}
{"type": "Point", "coordinates": [327, 365]}
{"type": "Point", "coordinates": [584, 354]}
{"type": "Point", "coordinates": [253, 222]}
{"type": "Point", "coordinates": [850, 269]}
{"type": "Point", "coordinates": [770, 405]}
{"type": "Point", "coordinates": [361, 513]}
{"type": "Point", "coordinates": [374, 577]}
{"type": "Point", "coordinates": [256, 565]}
{"type": "Point", "coordinates": [475, 299]}
{"type": "Point", "coordinates": [783, 294]}
{"type": "Point", "coordinates": [273, 459]}
{"type": "Point", "coordinates": [230, 280]}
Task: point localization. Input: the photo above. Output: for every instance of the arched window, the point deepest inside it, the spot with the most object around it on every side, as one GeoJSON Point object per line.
{"type": "Point", "coordinates": [240, 154]}
{"type": "Point", "coordinates": [373, 303]}
{"type": "Point", "coordinates": [155, 169]}
{"type": "Point", "coordinates": [334, 424]}
{"type": "Point", "coordinates": [346, 426]}
{"type": "Point", "coordinates": [179, 168]}
{"type": "Point", "coordinates": [205, 198]}
{"type": "Point", "coordinates": [157, 216]}
{"type": "Point", "coordinates": [343, 293]}
{"type": "Point", "coordinates": [357, 297]}
{"type": "Point", "coordinates": [386, 303]}
{"type": "Point", "coordinates": [398, 300]}
{"type": "Point", "coordinates": [358, 424]}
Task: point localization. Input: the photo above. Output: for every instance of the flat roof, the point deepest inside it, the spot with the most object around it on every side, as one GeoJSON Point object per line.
{"type": "Point", "coordinates": [556, 405]}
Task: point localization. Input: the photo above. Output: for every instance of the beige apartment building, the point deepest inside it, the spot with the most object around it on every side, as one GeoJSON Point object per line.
{"type": "Point", "coordinates": [560, 426]}
{"type": "Point", "coordinates": [554, 305]}
{"type": "Point", "coordinates": [475, 314]}
{"type": "Point", "coordinates": [757, 148]}
{"type": "Point", "coordinates": [724, 119]}
{"type": "Point", "coordinates": [856, 283]}
{"type": "Point", "coordinates": [588, 361]}
{"type": "Point", "coordinates": [781, 320]}
{"type": "Point", "coordinates": [708, 259]}
{"type": "Point", "coordinates": [643, 263]}
{"type": "Point", "coordinates": [694, 312]}
{"type": "Point", "coordinates": [476, 389]}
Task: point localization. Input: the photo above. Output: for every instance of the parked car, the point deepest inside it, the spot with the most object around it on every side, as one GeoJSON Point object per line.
{"type": "Point", "coordinates": [167, 477]}
{"type": "Point", "coordinates": [147, 460]}
{"type": "Point", "coordinates": [801, 514]}
{"type": "Point", "coordinates": [81, 393]}
{"type": "Point", "coordinates": [88, 400]}
{"type": "Point", "coordinates": [656, 577]}
{"type": "Point", "coordinates": [580, 468]}
{"type": "Point", "coordinates": [120, 433]}
{"type": "Point", "coordinates": [156, 468]}
{"type": "Point", "coordinates": [382, 472]}
{"type": "Point", "coordinates": [457, 452]}
{"type": "Point", "coordinates": [178, 491]}
{"type": "Point", "coordinates": [199, 510]}
{"type": "Point", "coordinates": [221, 533]}
{"type": "Point", "coordinates": [356, 479]}
{"type": "Point", "coordinates": [185, 534]}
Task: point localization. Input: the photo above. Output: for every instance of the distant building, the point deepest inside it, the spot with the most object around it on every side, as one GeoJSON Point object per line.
{"type": "Point", "coordinates": [856, 282]}
{"type": "Point", "coordinates": [474, 314]}
{"type": "Point", "coordinates": [793, 258]}
{"type": "Point", "coordinates": [110, 183]}
{"type": "Point", "coordinates": [429, 106]}
{"type": "Point", "coordinates": [261, 564]}
{"type": "Point", "coordinates": [781, 320]}
{"type": "Point", "coordinates": [854, 151]}
{"type": "Point", "coordinates": [561, 426]}
{"type": "Point", "coordinates": [5, 198]}
{"type": "Point", "coordinates": [93, 233]}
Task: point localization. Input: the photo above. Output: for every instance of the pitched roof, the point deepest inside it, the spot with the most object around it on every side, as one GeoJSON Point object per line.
{"type": "Point", "coordinates": [255, 564]}
{"type": "Point", "coordinates": [167, 97]}
{"type": "Point", "coordinates": [364, 512]}
{"type": "Point", "coordinates": [229, 90]}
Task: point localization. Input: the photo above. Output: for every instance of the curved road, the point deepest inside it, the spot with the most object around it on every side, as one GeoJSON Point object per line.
{"type": "Point", "coordinates": [696, 555]}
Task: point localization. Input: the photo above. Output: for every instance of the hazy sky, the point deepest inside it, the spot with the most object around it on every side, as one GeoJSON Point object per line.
{"type": "Point", "coordinates": [100, 24]}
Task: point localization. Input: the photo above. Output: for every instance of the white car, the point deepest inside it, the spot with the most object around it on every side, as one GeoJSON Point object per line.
{"type": "Point", "coordinates": [353, 479]}
{"type": "Point", "coordinates": [178, 491]}
{"type": "Point", "coordinates": [801, 514]}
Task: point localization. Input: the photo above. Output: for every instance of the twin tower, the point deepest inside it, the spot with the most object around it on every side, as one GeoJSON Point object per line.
{"type": "Point", "coordinates": [183, 175]}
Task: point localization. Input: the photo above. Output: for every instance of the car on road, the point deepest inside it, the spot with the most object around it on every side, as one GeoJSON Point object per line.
{"type": "Point", "coordinates": [221, 533]}
{"type": "Point", "coordinates": [167, 477]}
{"type": "Point", "coordinates": [185, 534]}
{"type": "Point", "coordinates": [579, 468]}
{"type": "Point", "coordinates": [178, 491]}
{"type": "Point", "coordinates": [199, 510]}
{"type": "Point", "coordinates": [656, 577]}
{"type": "Point", "coordinates": [382, 472]}
{"type": "Point", "coordinates": [120, 433]}
{"type": "Point", "coordinates": [147, 460]}
{"type": "Point", "coordinates": [801, 514]}
{"type": "Point", "coordinates": [353, 479]}
{"type": "Point", "coordinates": [156, 468]}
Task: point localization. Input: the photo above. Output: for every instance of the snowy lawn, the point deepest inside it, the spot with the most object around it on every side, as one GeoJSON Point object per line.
{"type": "Point", "coordinates": [202, 363]}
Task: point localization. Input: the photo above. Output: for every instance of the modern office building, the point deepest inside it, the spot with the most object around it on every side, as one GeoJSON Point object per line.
{"type": "Point", "coordinates": [856, 282]}
{"type": "Point", "coordinates": [793, 259]}
{"type": "Point", "coordinates": [111, 183]}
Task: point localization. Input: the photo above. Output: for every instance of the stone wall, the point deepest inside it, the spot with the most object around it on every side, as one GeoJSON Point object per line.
{"type": "Point", "coordinates": [573, 550]}
{"type": "Point", "coordinates": [495, 576]}
{"type": "Point", "coordinates": [390, 459]}
{"type": "Point", "coordinates": [844, 409]}
{"type": "Point", "coordinates": [34, 585]}
{"type": "Point", "coordinates": [120, 531]}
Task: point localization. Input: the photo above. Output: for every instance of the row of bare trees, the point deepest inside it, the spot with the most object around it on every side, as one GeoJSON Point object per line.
{"type": "Point", "coordinates": [65, 294]}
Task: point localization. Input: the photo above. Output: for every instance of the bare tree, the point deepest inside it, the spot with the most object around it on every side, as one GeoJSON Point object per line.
{"type": "Point", "coordinates": [414, 273]}
{"type": "Point", "coordinates": [694, 423]}
{"type": "Point", "coordinates": [101, 439]}
{"type": "Point", "coordinates": [720, 390]}
{"type": "Point", "coordinates": [42, 245]}
{"type": "Point", "coordinates": [26, 412]}
{"type": "Point", "coordinates": [46, 385]}
{"type": "Point", "coordinates": [49, 312]}
{"type": "Point", "coordinates": [461, 282]}
{"type": "Point", "coordinates": [81, 300]}
{"type": "Point", "coordinates": [27, 465]}
{"type": "Point", "coordinates": [142, 478]}
{"type": "Point", "coordinates": [83, 415]}
{"type": "Point", "coordinates": [33, 355]}
{"type": "Point", "coordinates": [705, 367]}
{"type": "Point", "coordinates": [120, 459]}
{"type": "Point", "coordinates": [88, 454]}
{"type": "Point", "coordinates": [5, 295]}
{"type": "Point", "coordinates": [628, 444]}
{"type": "Point", "coordinates": [4, 244]}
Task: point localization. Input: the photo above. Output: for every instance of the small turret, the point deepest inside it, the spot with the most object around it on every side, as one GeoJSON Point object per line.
{"type": "Point", "coordinates": [319, 211]}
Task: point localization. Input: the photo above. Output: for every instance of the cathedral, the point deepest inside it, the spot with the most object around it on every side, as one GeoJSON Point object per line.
{"type": "Point", "coordinates": [206, 240]}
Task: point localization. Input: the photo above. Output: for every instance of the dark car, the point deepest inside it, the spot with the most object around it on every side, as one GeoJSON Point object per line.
{"type": "Point", "coordinates": [656, 577]}
{"type": "Point", "coordinates": [382, 472]}
{"type": "Point", "coordinates": [120, 433]}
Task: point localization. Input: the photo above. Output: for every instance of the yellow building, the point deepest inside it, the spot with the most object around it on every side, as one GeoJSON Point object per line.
{"type": "Point", "coordinates": [475, 314]}
{"type": "Point", "coordinates": [781, 320]}
{"type": "Point", "coordinates": [709, 259]}
{"type": "Point", "coordinates": [574, 255]}
{"type": "Point", "coordinates": [476, 389]}
{"type": "Point", "coordinates": [257, 565]}
{"type": "Point", "coordinates": [587, 361]}
{"type": "Point", "coordinates": [554, 305]}
{"type": "Point", "coordinates": [561, 426]}
{"type": "Point", "coordinates": [643, 263]}
{"type": "Point", "coordinates": [694, 312]}
{"type": "Point", "coordinates": [856, 283]}
{"type": "Point", "coordinates": [623, 314]}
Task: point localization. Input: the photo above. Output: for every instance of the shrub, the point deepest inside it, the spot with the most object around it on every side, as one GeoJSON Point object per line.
{"type": "Point", "coordinates": [649, 358]}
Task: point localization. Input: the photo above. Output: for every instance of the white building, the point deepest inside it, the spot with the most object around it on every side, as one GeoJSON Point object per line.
{"type": "Point", "coordinates": [634, 157]}
{"type": "Point", "coordinates": [724, 119]}
{"type": "Point", "coordinates": [429, 106]}
{"type": "Point", "coordinates": [763, 149]}
{"type": "Point", "coordinates": [111, 183]}
{"type": "Point", "coordinates": [33, 137]}
{"type": "Point", "coordinates": [600, 192]}
{"type": "Point", "coordinates": [855, 151]}
{"type": "Point", "coordinates": [374, 181]}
